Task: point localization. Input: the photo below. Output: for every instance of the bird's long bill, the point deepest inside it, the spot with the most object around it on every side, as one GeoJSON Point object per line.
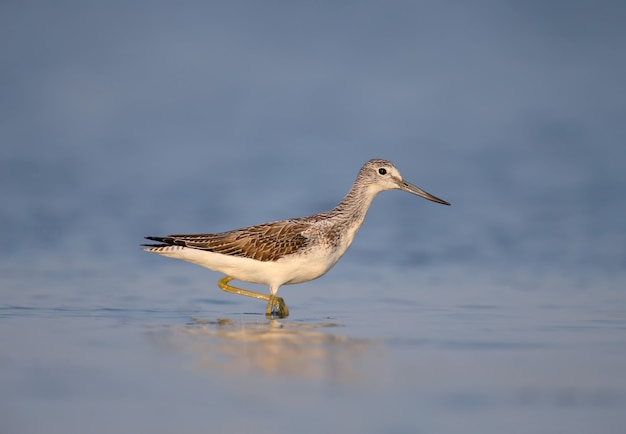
{"type": "Point", "coordinates": [410, 188]}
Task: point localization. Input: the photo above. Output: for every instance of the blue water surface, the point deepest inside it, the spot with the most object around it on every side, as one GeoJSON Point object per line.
{"type": "Point", "coordinates": [503, 313]}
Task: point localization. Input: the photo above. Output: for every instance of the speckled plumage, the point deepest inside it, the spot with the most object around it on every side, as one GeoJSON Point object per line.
{"type": "Point", "coordinates": [264, 242]}
{"type": "Point", "coordinates": [289, 251]}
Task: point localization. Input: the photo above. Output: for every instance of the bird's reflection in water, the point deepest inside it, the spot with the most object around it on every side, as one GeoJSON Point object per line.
{"type": "Point", "coordinates": [275, 348]}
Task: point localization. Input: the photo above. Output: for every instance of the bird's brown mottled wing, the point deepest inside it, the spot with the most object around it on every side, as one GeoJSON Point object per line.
{"type": "Point", "coordinates": [265, 242]}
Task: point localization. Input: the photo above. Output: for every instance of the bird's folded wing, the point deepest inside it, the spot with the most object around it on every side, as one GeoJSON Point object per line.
{"type": "Point", "coordinates": [266, 242]}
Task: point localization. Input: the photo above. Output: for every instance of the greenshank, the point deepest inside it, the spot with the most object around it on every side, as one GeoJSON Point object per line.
{"type": "Point", "coordinates": [288, 251]}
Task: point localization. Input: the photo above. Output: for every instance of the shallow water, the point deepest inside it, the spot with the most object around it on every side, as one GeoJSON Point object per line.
{"type": "Point", "coordinates": [446, 356]}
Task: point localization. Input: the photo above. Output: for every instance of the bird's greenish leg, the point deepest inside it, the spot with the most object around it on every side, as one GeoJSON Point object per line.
{"type": "Point", "coordinates": [276, 307]}
{"type": "Point", "coordinates": [223, 284]}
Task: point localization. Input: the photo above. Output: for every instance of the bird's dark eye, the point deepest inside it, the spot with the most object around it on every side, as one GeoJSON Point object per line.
{"type": "Point", "coordinates": [382, 171]}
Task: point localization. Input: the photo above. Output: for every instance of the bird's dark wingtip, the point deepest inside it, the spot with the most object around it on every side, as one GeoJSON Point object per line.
{"type": "Point", "coordinates": [165, 241]}
{"type": "Point", "coordinates": [161, 240]}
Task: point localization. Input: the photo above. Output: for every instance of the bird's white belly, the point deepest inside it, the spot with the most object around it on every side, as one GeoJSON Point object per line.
{"type": "Point", "coordinates": [287, 270]}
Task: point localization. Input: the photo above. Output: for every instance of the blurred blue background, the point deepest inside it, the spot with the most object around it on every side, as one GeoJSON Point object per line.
{"type": "Point", "coordinates": [132, 118]}
{"type": "Point", "coordinates": [124, 119]}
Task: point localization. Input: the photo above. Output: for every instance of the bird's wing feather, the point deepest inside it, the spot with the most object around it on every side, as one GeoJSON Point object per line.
{"type": "Point", "coordinates": [265, 242]}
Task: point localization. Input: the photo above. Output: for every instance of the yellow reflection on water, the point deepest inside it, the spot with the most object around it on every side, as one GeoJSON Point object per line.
{"type": "Point", "coordinates": [275, 348]}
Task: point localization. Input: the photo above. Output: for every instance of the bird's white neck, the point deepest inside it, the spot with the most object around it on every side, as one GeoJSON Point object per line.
{"type": "Point", "coordinates": [352, 209]}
